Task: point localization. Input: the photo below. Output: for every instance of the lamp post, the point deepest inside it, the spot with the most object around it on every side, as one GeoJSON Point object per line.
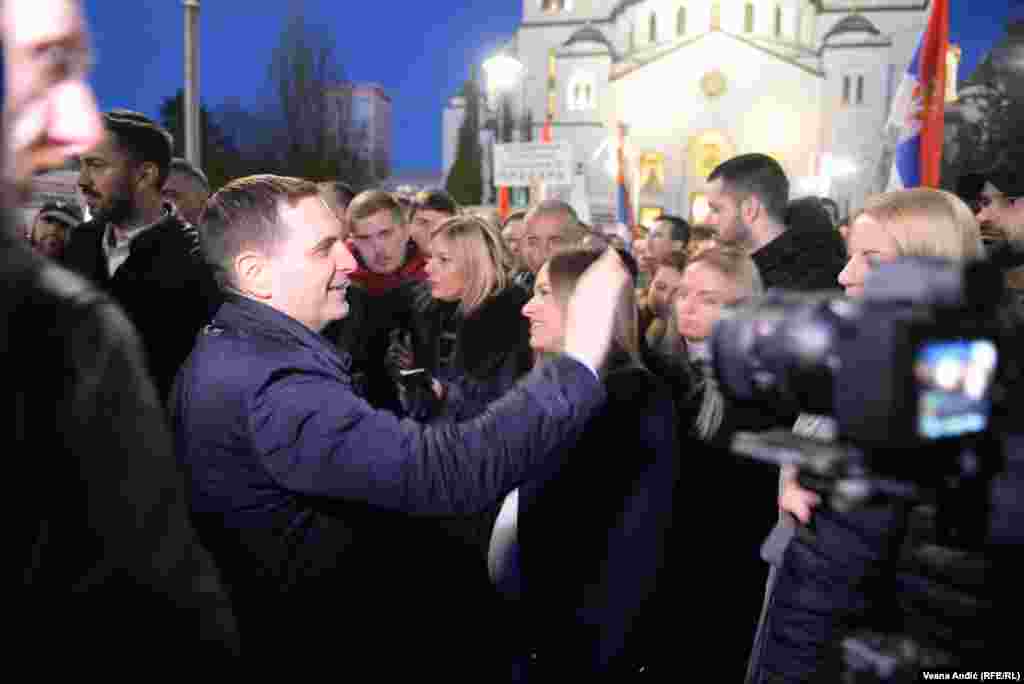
{"type": "Point", "coordinates": [193, 146]}
{"type": "Point", "coordinates": [503, 72]}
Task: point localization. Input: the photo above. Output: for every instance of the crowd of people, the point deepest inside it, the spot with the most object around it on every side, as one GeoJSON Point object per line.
{"type": "Point", "coordinates": [286, 420]}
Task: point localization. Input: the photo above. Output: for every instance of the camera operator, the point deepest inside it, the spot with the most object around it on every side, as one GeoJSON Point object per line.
{"type": "Point", "coordinates": [822, 582]}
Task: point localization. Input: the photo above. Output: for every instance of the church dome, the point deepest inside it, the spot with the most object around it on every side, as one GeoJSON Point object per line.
{"type": "Point", "coordinates": [589, 34]}
{"type": "Point", "coordinates": [855, 23]}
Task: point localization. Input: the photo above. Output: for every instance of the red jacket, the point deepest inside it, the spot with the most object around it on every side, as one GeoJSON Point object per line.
{"type": "Point", "coordinates": [375, 284]}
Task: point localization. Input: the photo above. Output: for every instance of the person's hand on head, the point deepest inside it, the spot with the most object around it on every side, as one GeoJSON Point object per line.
{"type": "Point", "coordinates": [590, 316]}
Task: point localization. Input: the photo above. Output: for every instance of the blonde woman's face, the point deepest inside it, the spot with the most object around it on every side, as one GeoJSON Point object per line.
{"type": "Point", "coordinates": [701, 294]}
{"type": "Point", "coordinates": [447, 281]}
{"type": "Point", "coordinates": [869, 244]}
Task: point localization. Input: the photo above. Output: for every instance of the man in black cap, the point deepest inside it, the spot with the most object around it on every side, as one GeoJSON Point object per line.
{"type": "Point", "coordinates": [999, 206]}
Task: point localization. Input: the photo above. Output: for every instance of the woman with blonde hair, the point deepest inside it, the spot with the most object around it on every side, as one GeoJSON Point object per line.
{"type": "Point", "coordinates": [583, 547]}
{"type": "Point", "coordinates": [465, 332]}
{"type": "Point", "coordinates": [916, 222]}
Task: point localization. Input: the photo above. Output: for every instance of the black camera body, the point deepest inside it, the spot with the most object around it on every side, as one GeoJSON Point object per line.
{"type": "Point", "coordinates": [917, 366]}
{"type": "Point", "coordinates": [922, 378]}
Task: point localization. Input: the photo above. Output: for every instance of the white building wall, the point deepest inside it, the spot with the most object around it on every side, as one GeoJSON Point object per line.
{"type": "Point", "coordinates": [769, 106]}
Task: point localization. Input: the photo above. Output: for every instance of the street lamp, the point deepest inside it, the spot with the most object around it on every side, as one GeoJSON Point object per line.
{"type": "Point", "coordinates": [503, 73]}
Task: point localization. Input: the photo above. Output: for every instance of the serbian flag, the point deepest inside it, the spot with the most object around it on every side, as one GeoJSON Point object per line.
{"type": "Point", "coordinates": [625, 209]}
{"type": "Point", "coordinates": [545, 133]}
{"type": "Point", "coordinates": [920, 105]}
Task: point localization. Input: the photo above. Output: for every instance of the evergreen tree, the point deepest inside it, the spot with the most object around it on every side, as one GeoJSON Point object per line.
{"type": "Point", "coordinates": [465, 181]}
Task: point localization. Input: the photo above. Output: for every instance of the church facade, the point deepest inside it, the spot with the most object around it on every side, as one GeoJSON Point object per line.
{"type": "Point", "coordinates": [694, 82]}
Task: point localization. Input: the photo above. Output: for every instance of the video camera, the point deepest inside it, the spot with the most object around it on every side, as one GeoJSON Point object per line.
{"type": "Point", "coordinates": [913, 374]}
{"type": "Point", "coordinates": [919, 376]}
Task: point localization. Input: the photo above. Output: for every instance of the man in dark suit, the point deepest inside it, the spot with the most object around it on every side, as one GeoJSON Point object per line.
{"type": "Point", "coordinates": [137, 248]}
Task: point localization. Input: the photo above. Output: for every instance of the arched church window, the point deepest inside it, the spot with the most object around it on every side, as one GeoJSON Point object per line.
{"type": "Point", "coordinates": [778, 21]}
{"type": "Point", "coordinates": [632, 37]}
{"type": "Point", "coordinates": [582, 92]}
{"type": "Point", "coordinates": [681, 22]}
{"type": "Point", "coordinates": [652, 28]}
{"type": "Point", "coordinates": [748, 18]}
{"type": "Point", "coordinates": [716, 15]}
{"type": "Point", "coordinates": [552, 6]}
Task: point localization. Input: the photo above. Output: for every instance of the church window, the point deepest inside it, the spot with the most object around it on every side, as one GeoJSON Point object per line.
{"type": "Point", "coordinates": [846, 90]}
{"type": "Point", "coordinates": [652, 30]}
{"type": "Point", "coordinates": [681, 22]}
{"type": "Point", "coordinates": [860, 90]}
{"type": "Point", "coordinates": [748, 18]}
{"type": "Point", "coordinates": [552, 6]}
{"type": "Point", "coordinates": [716, 16]}
{"type": "Point", "coordinates": [632, 37]}
{"type": "Point", "coordinates": [778, 21]}
{"type": "Point", "coordinates": [582, 92]}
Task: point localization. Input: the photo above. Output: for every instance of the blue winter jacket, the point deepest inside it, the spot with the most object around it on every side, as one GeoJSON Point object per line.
{"type": "Point", "coordinates": [302, 491]}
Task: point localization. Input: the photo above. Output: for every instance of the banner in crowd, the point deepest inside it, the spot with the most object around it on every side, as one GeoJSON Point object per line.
{"type": "Point", "coordinates": [517, 165]}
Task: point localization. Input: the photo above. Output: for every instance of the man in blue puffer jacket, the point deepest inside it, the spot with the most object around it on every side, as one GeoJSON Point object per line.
{"type": "Point", "coordinates": [299, 488]}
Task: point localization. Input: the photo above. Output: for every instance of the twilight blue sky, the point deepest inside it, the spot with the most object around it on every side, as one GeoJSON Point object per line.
{"type": "Point", "coordinates": [419, 52]}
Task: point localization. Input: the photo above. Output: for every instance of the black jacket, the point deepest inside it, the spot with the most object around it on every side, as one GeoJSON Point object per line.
{"type": "Point", "coordinates": [593, 534]}
{"type": "Point", "coordinates": [104, 557]}
{"type": "Point", "coordinates": [492, 347]}
{"type": "Point", "coordinates": [802, 258]}
{"type": "Point", "coordinates": [164, 286]}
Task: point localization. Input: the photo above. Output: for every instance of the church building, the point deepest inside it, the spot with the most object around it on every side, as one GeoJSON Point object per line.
{"type": "Point", "coordinates": [694, 82]}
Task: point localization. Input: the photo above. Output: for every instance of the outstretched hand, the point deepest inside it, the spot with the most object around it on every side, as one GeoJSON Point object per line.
{"type": "Point", "coordinates": [590, 316]}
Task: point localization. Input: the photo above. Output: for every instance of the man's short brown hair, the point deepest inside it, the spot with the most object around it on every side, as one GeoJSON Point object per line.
{"type": "Point", "coordinates": [369, 202]}
{"type": "Point", "coordinates": [246, 214]}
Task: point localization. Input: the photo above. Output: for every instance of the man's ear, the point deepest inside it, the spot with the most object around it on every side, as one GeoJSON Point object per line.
{"type": "Point", "coordinates": [149, 173]}
{"type": "Point", "coordinates": [750, 209]}
{"type": "Point", "coordinates": [253, 271]}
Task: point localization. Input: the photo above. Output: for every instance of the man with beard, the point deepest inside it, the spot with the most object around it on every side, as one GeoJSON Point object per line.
{"type": "Point", "coordinates": [748, 200]}
{"type": "Point", "coordinates": [104, 558]}
{"type": "Point", "coordinates": [999, 207]}
{"type": "Point", "coordinates": [136, 246]}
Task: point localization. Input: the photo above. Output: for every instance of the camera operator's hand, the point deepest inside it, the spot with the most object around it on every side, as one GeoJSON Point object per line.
{"type": "Point", "coordinates": [795, 499]}
{"type": "Point", "coordinates": [591, 311]}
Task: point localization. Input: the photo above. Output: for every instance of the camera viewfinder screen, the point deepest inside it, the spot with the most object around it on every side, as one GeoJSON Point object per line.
{"type": "Point", "coordinates": [953, 379]}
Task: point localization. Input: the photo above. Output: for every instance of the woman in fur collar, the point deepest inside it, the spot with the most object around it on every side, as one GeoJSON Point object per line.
{"type": "Point", "coordinates": [465, 331]}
